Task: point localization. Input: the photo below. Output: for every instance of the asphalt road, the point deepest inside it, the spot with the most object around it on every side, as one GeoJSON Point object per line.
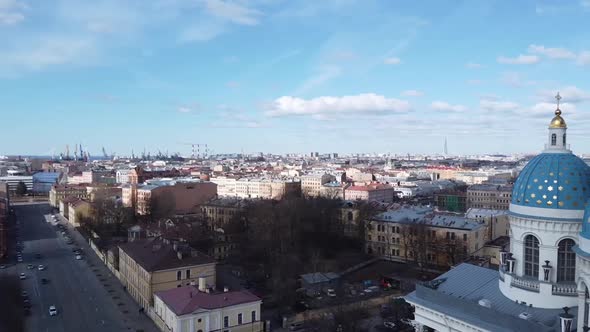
{"type": "Point", "coordinates": [74, 287]}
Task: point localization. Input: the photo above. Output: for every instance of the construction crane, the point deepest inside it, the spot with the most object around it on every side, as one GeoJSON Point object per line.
{"type": "Point", "coordinates": [104, 153]}
{"type": "Point", "coordinates": [196, 147]}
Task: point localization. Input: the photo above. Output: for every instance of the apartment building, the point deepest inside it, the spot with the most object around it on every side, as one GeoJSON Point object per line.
{"type": "Point", "coordinates": [98, 192]}
{"type": "Point", "coordinates": [226, 186]}
{"type": "Point", "coordinates": [195, 308]}
{"type": "Point", "coordinates": [77, 209]}
{"type": "Point", "coordinates": [451, 201]}
{"type": "Point", "coordinates": [81, 177]}
{"type": "Point", "coordinates": [181, 196]}
{"type": "Point", "coordinates": [311, 184]}
{"type": "Point", "coordinates": [372, 193]}
{"type": "Point", "coordinates": [416, 234]}
{"type": "Point", "coordinates": [220, 211]}
{"type": "Point", "coordinates": [122, 176]}
{"type": "Point", "coordinates": [489, 196]}
{"type": "Point", "coordinates": [59, 192]}
{"type": "Point", "coordinates": [152, 265]}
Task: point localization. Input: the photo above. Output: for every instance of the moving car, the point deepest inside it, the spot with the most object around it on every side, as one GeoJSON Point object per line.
{"type": "Point", "coordinates": [331, 292]}
{"type": "Point", "coordinates": [22, 276]}
{"type": "Point", "coordinates": [52, 311]}
{"type": "Point", "coordinates": [41, 267]}
{"type": "Point", "coordinates": [296, 326]}
{"type": "Point", "coordinates": [24, 293]}
{"type": "Point", "coordinates": [30, 266]}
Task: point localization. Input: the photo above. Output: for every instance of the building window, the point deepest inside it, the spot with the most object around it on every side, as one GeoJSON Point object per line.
{"type": "Point", "coordinates": [188, 274]}
{"type": "Point", "coordinates": [553, 139]}
{"type": "Point", "coordinates": [531, 256]}
{"type": "Point", "coordinates": [225, 321]}
{"type": "Point", "coordinates": [178, 275]}
{"type": "Point", "coordinates": [563, 139]}
{"type": "Point", "coordinates": [239, 318]}
{"type": "Point", "coordinates": [566, 261]}
{"type": "Point", "coordinates": [253, 316]}
{"type": "Point", "coordinates": [350, 216]}
{"type": "Point", "coordinates": [464, 237]}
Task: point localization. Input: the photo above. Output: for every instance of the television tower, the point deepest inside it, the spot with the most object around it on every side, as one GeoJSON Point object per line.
{"type": "Point", "coordinates": [445, 148]}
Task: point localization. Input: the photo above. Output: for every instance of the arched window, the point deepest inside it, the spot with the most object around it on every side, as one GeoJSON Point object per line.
{"type": "Point", "coordinates": [563, 139]}
{"type": "Point", "coordinates": [350, 216]}
{"type": "Point", "coordinates": [566, 261]}
{"type": "Point", "coordinates": [553, 139]}
{"type": "Point", "coordinates": [531, 256]}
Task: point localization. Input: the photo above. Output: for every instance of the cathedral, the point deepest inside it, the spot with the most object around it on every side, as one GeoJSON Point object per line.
{"type": "Point", "coordinates": [542, 282]}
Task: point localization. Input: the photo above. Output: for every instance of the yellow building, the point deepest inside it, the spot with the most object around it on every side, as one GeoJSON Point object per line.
{"type": "Point", "coordinates": [151, 265]}
{"type": "Point", "coordinates": [192, 309]}
{"type": "Point", "coordinates": [77, 209]}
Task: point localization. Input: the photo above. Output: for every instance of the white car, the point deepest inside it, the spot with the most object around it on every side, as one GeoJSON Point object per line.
{"type": "Point", "coordinates": [52, 311]}
{"type": "Point", "coordinates": [22, 276]}
{"type": "Point", "coordinates": [78, 257]}
{"type": "Point", "coordinates": [331, 292]}
{"type": "Point", "coordinates": [41, 267]}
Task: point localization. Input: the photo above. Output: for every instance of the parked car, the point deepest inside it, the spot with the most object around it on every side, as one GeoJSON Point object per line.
{"type": "Point", "coordinates": [296, 326]}
{"type": "Point", "coordinates": [331, 292]}
{"type": "Point", "coordinates": [30, 266]}
{"type": "Point", "coordinates": [52, 310]}
{"type": "Point", "coordinates": [41, 267]}
{"type": "Point", "coordinates": [24, 293]}
{"type": "Point", "coordinates": [390, 325]}
{"type": "Point", "coordinates": [2, 267]}
{"type": "Point", "coordinates": [78, 257]}
{"type": "Point", "coordinates": [22, 276]}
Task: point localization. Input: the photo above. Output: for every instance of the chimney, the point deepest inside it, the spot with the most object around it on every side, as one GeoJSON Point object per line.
{"type": "Point", "coordinates": [225, 289]}
{"type": "Point", "coordinates": [202, 284]}
{"type": "Point", "coordinates": [179, 255]}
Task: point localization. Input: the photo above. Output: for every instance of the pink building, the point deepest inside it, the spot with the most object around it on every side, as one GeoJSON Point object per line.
{"type": "Point", "coordinates": [372, 192]}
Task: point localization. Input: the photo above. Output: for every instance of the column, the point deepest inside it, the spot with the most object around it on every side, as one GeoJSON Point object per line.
{"type": "Point", "coordinates": [581, 310]}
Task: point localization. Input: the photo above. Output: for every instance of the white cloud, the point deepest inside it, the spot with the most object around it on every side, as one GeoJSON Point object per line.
{"type": "Point", "coordinates": [473, 65]}
{"type": "Point", "coordinates": [366, 103]}
{"type": "Point", "coordinates": [392, 61]}
{"type": "Point", "coordinates": [201, 32]}
{"type": "Point", "coordinates": [552, 52]}
{"type": "Point", "coordinates": [50, 52]}
{"type": "Point", "coordinates": [412, 93]}
{"type": "Point", "coordinates": [583, 58]}
{"type": "Point", "coordinates": [497, 106]}
{"type": "Point", "coordinates": [446, 107]}
{"type": "Point", "coordinates": [11, 12]}
{"type": "Point", "coordinates": [570, 94]}
{"type": "Point", "coordinates": [233, 12]}
{"type": "Point", "coordinates": [184, 109]}
{"type": "Point", "coordinates": [547, 109]}
{"type": "Point", "coordinates": [515, 80]}
{"type": "Point", "coordinates": [519, 60]}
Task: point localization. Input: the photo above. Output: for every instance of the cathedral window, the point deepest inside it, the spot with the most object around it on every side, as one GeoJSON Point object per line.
{"type": "Point", "coordinates": [564, 139]}
{"type": "Point", "coordinates": [531, 256]}
{"type": "Point", "coordinates": [566, 261]}
{"type": "Point", "coordinates": [553, 139]}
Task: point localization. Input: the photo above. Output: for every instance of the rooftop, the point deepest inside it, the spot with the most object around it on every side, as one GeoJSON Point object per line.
{"type": "Point", "coordinates": [458, 294]}
{"type": "Point", "coordinates": [490, 187]}
{"type": "Point", "coordinates": [188, 299]}
{"type": "Point", "coordinates": [156, 254]}
{"type": "Point", "coordinates": [426, 216]}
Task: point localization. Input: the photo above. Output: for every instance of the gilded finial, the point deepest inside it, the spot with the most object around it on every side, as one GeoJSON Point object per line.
{"type": "Point", "coordinates": [558, 98]}
{"type": "Point", "coordinates": [557, 121]}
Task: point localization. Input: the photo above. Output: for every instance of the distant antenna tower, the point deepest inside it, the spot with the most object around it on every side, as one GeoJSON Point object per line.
{"type": "Point", "coordinates": [446, 149]}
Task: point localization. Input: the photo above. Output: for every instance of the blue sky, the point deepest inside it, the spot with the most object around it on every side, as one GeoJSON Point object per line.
{"type": "Point", "coordinates": [291, 76]}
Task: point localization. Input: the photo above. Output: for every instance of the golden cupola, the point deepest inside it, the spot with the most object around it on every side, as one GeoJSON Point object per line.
{"type": "Point", "coordinates": [557, 121]}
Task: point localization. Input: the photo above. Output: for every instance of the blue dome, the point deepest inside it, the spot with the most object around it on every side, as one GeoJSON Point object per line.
{"type": "Point", "coordinates": [553, 181]}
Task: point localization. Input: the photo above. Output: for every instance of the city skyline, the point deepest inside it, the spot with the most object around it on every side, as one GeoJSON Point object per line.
{"type": "Point", "coordinates": [291, 76]}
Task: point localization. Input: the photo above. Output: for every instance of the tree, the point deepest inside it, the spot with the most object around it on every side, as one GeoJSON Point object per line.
{"type": "Point", "coordinates": [161, 205]}
{"type": "Point", "coordinates": [21, 188]}
{"type": "Point", "coordinates": [12, 317]}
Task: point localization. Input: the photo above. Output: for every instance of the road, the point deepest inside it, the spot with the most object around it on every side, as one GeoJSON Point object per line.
{"type": "Point", "coordinates": [85, 299]}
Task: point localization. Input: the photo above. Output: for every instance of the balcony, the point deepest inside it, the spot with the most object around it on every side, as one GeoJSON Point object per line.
{"type": "Point", "coordinates": [525, 283]}
{"type": "Point", "coordinates": [564, 289]}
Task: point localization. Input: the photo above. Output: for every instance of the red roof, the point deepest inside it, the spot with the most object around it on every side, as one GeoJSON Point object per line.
{"type": "Point", "coordinates": [187, 299]}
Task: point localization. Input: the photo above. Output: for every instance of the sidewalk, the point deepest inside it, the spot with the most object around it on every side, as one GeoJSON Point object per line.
{"type": "Point", "coordinates": [130, 310]}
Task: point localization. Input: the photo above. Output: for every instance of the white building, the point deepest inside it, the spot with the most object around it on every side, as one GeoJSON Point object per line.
{"type": "Point", "coordinates": [547, 266]}
{"type": "Point", "coordinates": [226, 187]}
{"type": "Point", "coordinates": [122, 175]}
{"type": "Point", "coordinates": [311, 184]}
{"type": "Point", "coordinates": [189, 309]}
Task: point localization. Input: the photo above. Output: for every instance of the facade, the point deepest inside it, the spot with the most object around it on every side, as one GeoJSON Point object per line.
{"type": "Point", "coordinates": [4, 213]}
{"type": "Point", "coordinates": [451, 202]}
{"type": "Point", "coordinates": [78, 209]}
{"type": "Point", "coordinates": [98, 192]}
{"type": "Point", "coordinates": [489, 196]}
{"type": "Point", "coordinates": [266, 188]}
{"type": "Point", "coordinates": [191, 308]}
{"type": "Point", "coordinates": [13, 180]}
{"type": "Point", "coordinates": [371, 193]}
{"type": "Point", "coordinates": [219, 212]}
{"type": "Point", "coordinates": [44, 181]}
{"type": "Point", "coordinates": [80, 178]}
{"type": "Point", "coordinates": [122, 176]}
{"type": "Point", "coordinates": [311, 184]}
{"type": "Point", "coordinates": [226, 186]}
{"type": "Point", "coordinates": [179, 196]}
{"type": "Point", "coordinates": [416, 234]}
{"type": "Point", "coordinates": [547, 265]}
{"type": "Point", "coordinates": [152, 265]}
{"type": "Point", "coordinates": [59, 192]}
